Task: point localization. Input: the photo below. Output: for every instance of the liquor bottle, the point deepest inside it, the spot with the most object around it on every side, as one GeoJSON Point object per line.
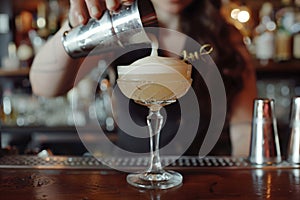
{"type": "Point", "coordinates": [6, 31]}
{"type": "Point", "coordinates": [285, 19]}
{"type": "Point", "coordinates": [8, 115]}
{"type": "Point", "coordinates": [11, 61]}
{"type": "Point", "coordinates": [296, 31]}
{"type": "Point", "coordinates": [41, 21]}
{"type": "Point", "coordinates": [265, 34]}
{"type": "Point", "coordinates": [53, 16]}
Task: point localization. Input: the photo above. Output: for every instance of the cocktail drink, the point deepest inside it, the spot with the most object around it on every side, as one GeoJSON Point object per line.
{"type": "Point", "coordinates": [155, 82]}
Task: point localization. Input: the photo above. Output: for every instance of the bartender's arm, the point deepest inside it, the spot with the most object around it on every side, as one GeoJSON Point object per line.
{"type": "Point", "coordinates": [53, 71]}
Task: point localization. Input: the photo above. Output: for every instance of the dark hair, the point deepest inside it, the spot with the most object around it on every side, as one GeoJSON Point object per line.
{"type": "Point", "coordinates": [203, 22]}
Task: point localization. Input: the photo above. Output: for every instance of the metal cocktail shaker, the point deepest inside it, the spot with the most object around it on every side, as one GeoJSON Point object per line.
{"type": "Point", "coordinates": [293, 152]}
{"type": "Point", "coordinates": [264, 148]}
{"type": "Point", "coordinates": [112, 30]}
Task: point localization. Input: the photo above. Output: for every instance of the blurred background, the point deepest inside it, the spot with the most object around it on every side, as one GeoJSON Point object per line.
{"type": "Point", "coordinates": [29, 124]}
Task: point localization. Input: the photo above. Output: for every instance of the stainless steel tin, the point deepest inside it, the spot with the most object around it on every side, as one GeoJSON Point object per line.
{"type": "Point", "coordinates": [293, 151]}
{"type": "Point", "coordinates": [112, 30]}
{"type": "Point", "coordinates": [264, 148]}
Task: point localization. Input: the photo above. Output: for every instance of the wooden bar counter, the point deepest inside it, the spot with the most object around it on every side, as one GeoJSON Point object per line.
{"type": "Point", "coordinates": [56, 182]}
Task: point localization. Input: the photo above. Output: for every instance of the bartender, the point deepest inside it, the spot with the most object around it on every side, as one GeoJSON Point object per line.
{"type": "Point", "coordinates": [198, 19]}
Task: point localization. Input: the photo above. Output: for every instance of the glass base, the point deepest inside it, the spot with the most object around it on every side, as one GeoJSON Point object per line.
{"type": "Point", "coordinates": [163, 180]}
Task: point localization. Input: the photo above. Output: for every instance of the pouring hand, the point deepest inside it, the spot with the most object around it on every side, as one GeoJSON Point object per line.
{"type": "Point", "coordinates": [82, 10]}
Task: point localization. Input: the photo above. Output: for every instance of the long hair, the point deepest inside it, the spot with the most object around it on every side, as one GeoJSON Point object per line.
{"type": "Point", "coordinates": [203, 22]}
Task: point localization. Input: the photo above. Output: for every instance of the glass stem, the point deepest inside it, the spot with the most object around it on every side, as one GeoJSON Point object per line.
{"type": "Point", "coordinates": [154, 122]}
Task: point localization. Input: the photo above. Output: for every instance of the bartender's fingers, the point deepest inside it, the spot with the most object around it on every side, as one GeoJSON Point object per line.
{"type": "Point", "coordinates": [95, 8]}
{"type": "Point", "coordinates": [113, 5]}
{"type": "Point", "coordinates": [127, 2]}
{"type": "Point", "coordinates": [78, 13]}
{"type": "Point", "coordinates": [82, 10]}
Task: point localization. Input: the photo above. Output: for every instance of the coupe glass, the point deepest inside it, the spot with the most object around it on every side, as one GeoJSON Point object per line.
{"type": "Point", "coordinates": [154, 94]}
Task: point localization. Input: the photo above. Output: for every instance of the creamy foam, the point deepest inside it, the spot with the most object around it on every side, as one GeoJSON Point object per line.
{"type": "Point", "coordinates": [156, 65]}
{"type": "Point", "coordinates": [155, 78]}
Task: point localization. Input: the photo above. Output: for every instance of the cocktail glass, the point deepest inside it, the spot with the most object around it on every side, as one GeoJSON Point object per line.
{"type": "Point", "coordinates": [154, 91]}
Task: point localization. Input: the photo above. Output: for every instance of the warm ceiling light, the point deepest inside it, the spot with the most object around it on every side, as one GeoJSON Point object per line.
{"type": "Point", "coordinates": [243, 16]}
{"type": "Point", "coordinates": [234, 13]}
